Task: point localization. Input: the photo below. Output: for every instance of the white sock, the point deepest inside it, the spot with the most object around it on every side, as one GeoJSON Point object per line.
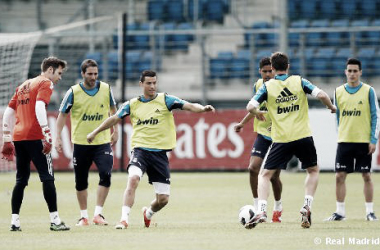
{"type": "Point", "coordinates": [15, 220]}
{"type": "Point", "coordinates": [262, 206]}
{"type": "Point", "coordinates": [256, 203]}
{"type": "Point", "coordinates": [308, 201]}
{"type": "Point", "coordinates": [149, 213]}
{"type": "Point", "coordinates": [54, 218]}
{"type": "Point", "coordinates": [277, 205]}
{"type": "Point", "coordinates": [84, 214]}
{"type": "Point", "coordinates": [369, 207]}
{"type": "Point", "coordinates": [125, 210]}
{"type": "Point", "coordinates": [340, 208]}
{"type": "Point", "coordinates": [98, 210]}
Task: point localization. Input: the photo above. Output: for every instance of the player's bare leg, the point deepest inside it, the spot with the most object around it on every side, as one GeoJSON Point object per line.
{"type": "Point", "coordinates": [311, 183]}
{"type": "Point", "coordinates": [277, 190]}
{"type": "Point", "coordinates": [82, 199]}
{"type": "Point", "coordinates": [254, 169]}
{"type": "Point", "coordinates": [101, 194]}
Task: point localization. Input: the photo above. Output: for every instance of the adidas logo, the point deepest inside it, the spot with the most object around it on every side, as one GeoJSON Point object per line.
{"type": "Point", "coordinates": [286, 96]}
{"type": "Point", "coordinates": [101, 106]}
{"type": "Point", "coordinates": [360, 102]}
{"type": "Point", "coordinates": [157, 111]}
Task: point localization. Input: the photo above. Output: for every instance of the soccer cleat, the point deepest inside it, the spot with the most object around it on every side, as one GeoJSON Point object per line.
{"type": "Point", "coordinates": [100, 220]}
{"type": "Point", "coordinates": [122, 225]}
{"type": "Point", "coordinates": [276, 216]}
{"type": "Point", "coordinates": [336, 217]}
{"type": "Point", "coordinates": [305, 216]}
{"type": "Point", "coordinates": [372, 217]}
{"type": "Point", "coordinates": [82, 222]}
{"type": "Point", "coordinates": [146, 220]}
{"type": "Point", "coordinates": [59, 227]}
{"type": "Point", "coordinates": [259, 218]}
{"type": "Point", "coordinates": [14, 228]}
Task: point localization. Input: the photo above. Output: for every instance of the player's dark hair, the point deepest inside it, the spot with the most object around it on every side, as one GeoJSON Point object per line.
{"type": "Point", "coordinates": [87, 63]}
{"type": "Point", "coordinates": [279, 61]}
{"type": "Point", "coordinates": [52, 62]}
{"type": "Point", "coordinates": [264, 62]}
{"type": "Point", "coordinates": [355, 62]}
{"type": "Point", "coordinates": [148, 73]}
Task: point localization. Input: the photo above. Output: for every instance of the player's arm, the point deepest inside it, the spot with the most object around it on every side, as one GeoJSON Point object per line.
{"type": "Point", "coordinates": [197, 108]}
{"type": "Point", "coordinates": [8, 150]}
{"type": "Point", "coordinates": [241, 124]}
{"type": "Point", "coordinates": [64, 110]}
{"type": "Point", "coordinates": [311, 89]}
{"type": "Point", "coordinates": [61, 121]}
{"type": "Point", "coordinates": [115, 133]}
{"type": "Point", "coordinates": [40, 110]}
{"type": "Point", "coordinates": [109, 122]}
{"type": "Point", "coordinates": [253, 104]}
{"type": "Point", "coordinates": [374, 107]}
{"type": "Point", "coordinates": [123, 111]}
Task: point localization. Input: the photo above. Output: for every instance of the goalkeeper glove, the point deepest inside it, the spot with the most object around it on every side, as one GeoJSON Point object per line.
{"type": "Point", "coordinates": [47, 141]}
{"type": "Point", "coordinates": [8, 150]}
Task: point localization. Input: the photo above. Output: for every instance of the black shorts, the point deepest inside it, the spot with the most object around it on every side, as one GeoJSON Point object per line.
{"type": "Point", "coordinates": [279, 154]}
{"type": "Point", "coordinates": [155, 164]}
{"type": "Point", "coordinates": [348, 153]}
{"type": "Point", "coordinates": [85, 155]}
{"type": "Point", "coordinates": [27, 151]}
{"type": "Point", "coordinates": [261, 146]}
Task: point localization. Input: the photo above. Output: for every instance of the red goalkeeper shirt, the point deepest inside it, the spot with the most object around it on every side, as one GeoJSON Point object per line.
{"type": "Point", "coordinates": [24, 102]}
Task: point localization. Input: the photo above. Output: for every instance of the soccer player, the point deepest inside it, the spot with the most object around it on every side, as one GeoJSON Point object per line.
{"type": "Point", "coordinates": [291, 134]}
{"type": "Point", "coordinates": [32, 139]}
{"type": "Point", "coordinates": [261, 145]}
{"type": "Point", "coordinates": [358, 122]}
{"type": "Point", "coordinates": [154, 134]}
{"type": "Point", "coordinates": [90, 103]}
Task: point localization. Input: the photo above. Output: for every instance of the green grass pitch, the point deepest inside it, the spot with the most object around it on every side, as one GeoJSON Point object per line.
{"type": "Point", "coordinates": [201, 214]}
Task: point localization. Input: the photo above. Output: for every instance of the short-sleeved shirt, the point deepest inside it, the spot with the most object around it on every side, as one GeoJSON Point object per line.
{"type": "Point", "coordinates": [172, 102]}
{"type": "Point", "coordinates": [24, 102]}
{"type": "Point", "coordinates": [68, 100]}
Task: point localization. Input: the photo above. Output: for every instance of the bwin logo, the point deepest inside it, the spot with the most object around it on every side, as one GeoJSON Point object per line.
{"type": "Point", "coordinates": [95, 117]}
{"type": "Point", "coordinates": [351, 112]}
{"type": "Point", "coordinates": [288, 109]}
{"type": "Point", "coordinates": [150, 121]}
{"type": "Point", "coordinates": [286, 96]}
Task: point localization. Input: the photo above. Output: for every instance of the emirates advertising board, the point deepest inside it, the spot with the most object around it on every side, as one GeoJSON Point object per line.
{"type": "Point", "coordinates": [208, 142]}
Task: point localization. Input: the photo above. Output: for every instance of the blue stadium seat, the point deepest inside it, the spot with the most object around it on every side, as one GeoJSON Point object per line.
{"type": "Point", "coordinates": [369, 8]}
{"type": "Point", "coordinates": [360, 37]}
{"type": "Point", "coordinates": [141, 42]}
{"type": "Point", "coordinates": [338, 38]}
{"type": "Point", "coordinates": [239, 68]}
{"type": "Point", "coordinates": [244, 54]}
{"type": "Point", "coordinates": [294, 38]}
{"type": "Point", "coordinates": [156, 10]}
{"type": "Point", "coordinates": [349, 8]}
{"type": "Point", "coordinates": [316, 38]}
{"type": "Point", "coordinates": [219, 68]}
{"type": "Point", "coordinates": [174, 11]}
{"type": "Point", "coordinates": [373, 37]}
{"type": "Point", "coordinates": [308, 9]}
{"type": "Point", "coordinates": [182, 41]}
{"type": "Point", "coordinates": [328, 9]}
{"type": "Point", "coordinates": [168, 39]}
{"type": "Point", "coordinates": [214, 11]}
{"type": "Point", "coordinates": [294, 9]}
{"type": "Point", "coordinates": [191, 8]}
{"type": "Point", "coordinates": [338, 63]}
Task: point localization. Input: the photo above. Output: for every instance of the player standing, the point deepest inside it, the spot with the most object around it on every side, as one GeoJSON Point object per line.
{"type": "Point", "coordinates": [90, 103]}
{"type": "Point", "coordinates": [154, 134]}
{"type": "Point", "coordinates": [32, 139]}
{"type": "Point", "coordinates": [358, 132]}
{"type": "Point", "coordinates": [261, 145]}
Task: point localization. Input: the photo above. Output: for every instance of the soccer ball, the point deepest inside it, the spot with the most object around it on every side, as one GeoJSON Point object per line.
{"type": "Point", "coordinates": [246, 213]}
